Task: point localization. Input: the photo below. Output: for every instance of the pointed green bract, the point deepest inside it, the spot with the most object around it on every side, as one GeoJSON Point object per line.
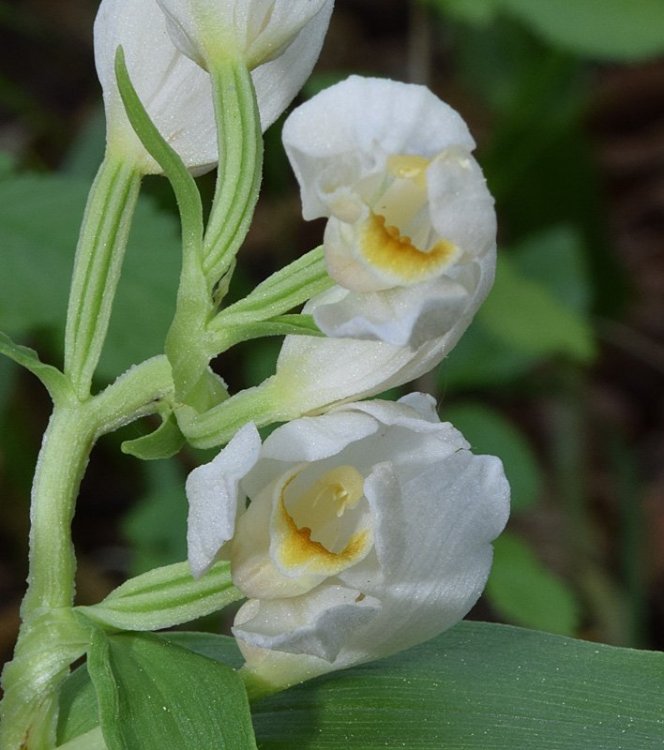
{"type": "Point", "coordinates": [154, 695]}
{"type": "Point", "coordinates": [165, 597]}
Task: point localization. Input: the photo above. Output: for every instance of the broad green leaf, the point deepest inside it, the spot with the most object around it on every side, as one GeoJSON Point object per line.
{"type": "Point", "coordinates": [39, 222]}
{"type": "Point", "coordinates": [154, 695]}
{"type": "Point", "coordinates": [556, 258]}
{"type": "Point", "coordinates": [489, 432]}
{"type": "Point", "coordinates": [524, 314]}
{"type": "Point", "coordinates": [603, 29]}
{"type": "Point", "coordinates": [523, 591]}
{"type": "Point", "coordinates": [165, 597]}
{"type": "Point", "coordinates": [478, 687]}
{"type": "Point", "coordinates": [471, 11]}
{"type": "Point", "coordinates": [78, 701]}
{"type": "Point", "coordinates": [482, 360]}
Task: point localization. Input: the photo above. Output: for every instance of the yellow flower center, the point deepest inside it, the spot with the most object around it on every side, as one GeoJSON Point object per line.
{"type": "Point", "coordinates": [316, 531]}
{"type": "Point", "coordinates": [397, 240]}
{"type": "Point", "coordinates": [384, 247]}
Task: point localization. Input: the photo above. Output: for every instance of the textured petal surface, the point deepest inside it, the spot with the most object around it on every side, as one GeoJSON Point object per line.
{"type": "Point", "coordinates": [366, 120]}
{"type": "Point", "coordinates": [214, 495]}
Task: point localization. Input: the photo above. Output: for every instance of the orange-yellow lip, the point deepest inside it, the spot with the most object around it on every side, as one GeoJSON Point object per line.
{"type": "Point", "coordinates": [296, 549]}
{"type": "Point", "coordinates": [387, 250]}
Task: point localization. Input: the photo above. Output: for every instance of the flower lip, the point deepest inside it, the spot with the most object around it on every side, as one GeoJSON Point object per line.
{"type": "Point", "coordinates": [396, 257]}
{"type": "Point", "coordinates": [323, 528]}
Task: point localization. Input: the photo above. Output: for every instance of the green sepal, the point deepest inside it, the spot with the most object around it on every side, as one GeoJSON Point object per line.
{"type": "Point", "coordinates": [164, 597]}
{"type": "Point", "coordinates": [166, 441]}
{"type": "Point", "coordinates": [54, 381]}
{"type": "Point", "coordinates": [186, 192]}
{"type": "Point", "coordinates": [153, 695]}
{"type": "Point", "coordinates": [279, 293]}
{"type": "Point", "coordinates": [281, 325]}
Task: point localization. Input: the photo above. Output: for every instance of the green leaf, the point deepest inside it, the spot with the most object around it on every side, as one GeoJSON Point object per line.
{"type": "Point", "coordinates": [489, 432]}
{"type": "Point", "coordinates": [78, 701]}
{"type": "Point", "coordinates": [526, 593]}
{"type": "Point", "coordinates": [525, 315]}
{"type": "Point", "coordinates": [603, 29]}
{"type": "Point", "coordinates": [165, 597]}
{"type": "Point", "coordinates": [154, 695]}
{"type": "Point", "coordinates": [54, 381]}
{"type": "Point", "coordinates": [555, 258]}
{"type": "Point", "coordinates": [481, 360]}
{"type": "Point", "coordinates": [39, 220]}
{"type": "Point", "coordinates": [479, 12]}
{"type": "Point", "coordinates": [478, 687]}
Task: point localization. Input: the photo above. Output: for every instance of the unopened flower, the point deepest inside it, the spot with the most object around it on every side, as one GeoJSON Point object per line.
{"type": "Point", "coordinates": [255, 31]}
{"type": "Point", "coordinates": [176, 92]}
{"type": "Point", "coordinates": [368, 530]}
{"type": "Point", "coordinates": [411, 232]}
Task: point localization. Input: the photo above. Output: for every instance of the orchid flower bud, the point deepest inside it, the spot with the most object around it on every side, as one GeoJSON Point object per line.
{"type": "Point", "coordinates": [411, 231]}
{"type": "Point", "coordinates": [256, 31]}
{"type": "Point", "coordinates": [368, 530]}
{"type": "Point", "coordinates": [176, 92]}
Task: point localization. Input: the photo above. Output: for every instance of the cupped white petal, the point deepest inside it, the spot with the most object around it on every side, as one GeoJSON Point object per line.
{"type": "Point", "coordinates": [434, 549]}
{"type": "Point", "coordinates": [401, 316]}
{"type": "Point", "coordinates": [460, 205]}
{"type": "Point", "coordinates": [176, 93]}
{"type": "Point", "coordinates": [214, 496]}
{"type": "Point", "coordinates": [288, 640]}
{"type": "Point", "coordinates": [366, 120]}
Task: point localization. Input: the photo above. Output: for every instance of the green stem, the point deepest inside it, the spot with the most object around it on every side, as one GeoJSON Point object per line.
{"type": "Point", "coordinates": [41, 659]}
{"type": "Point", "coordinates": [97, 267]}
{"type": "Point", "coordinates": [51, 637]}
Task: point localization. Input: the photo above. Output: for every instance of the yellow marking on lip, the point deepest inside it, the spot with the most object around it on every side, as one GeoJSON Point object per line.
{"type": "Point", "coordinates": [385, 248]}
{"type": "Point", "coordinates": [338, 490]}
{"type": "Point", "coordinates": [298, 549]}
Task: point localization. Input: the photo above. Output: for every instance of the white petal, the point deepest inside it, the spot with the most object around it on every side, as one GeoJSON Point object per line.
{"type": "Point", "coordinates": [362, 121]}
{"type": "Point", "coordinates": [401, 316]}
{"type": "Point", "coordinates": [461, 207]}
{"type": "Point", "coordinates": [290, 640]}
{"type": "Point", "coordinates": [175, 91]}
{"type": "Point", "coordinates": [434, 546]}
{"type": "Point", "coordinates": [315, 373]}
{"type": "Point", "coordinates": [213, 494]}
{"type": "Point", "coordinates": [279, 80]}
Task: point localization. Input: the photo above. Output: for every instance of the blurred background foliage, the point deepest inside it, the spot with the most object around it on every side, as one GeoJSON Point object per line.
{"type": "Point", "coordinates": [561, 373]}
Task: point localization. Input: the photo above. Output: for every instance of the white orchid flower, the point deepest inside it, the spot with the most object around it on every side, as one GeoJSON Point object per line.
{"type": "Point", "coordinates": [411, 231]}
{"type": "Point", "coordinates": [177, 92]}
{"type": "Point", "coordinates": [368, 530]}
